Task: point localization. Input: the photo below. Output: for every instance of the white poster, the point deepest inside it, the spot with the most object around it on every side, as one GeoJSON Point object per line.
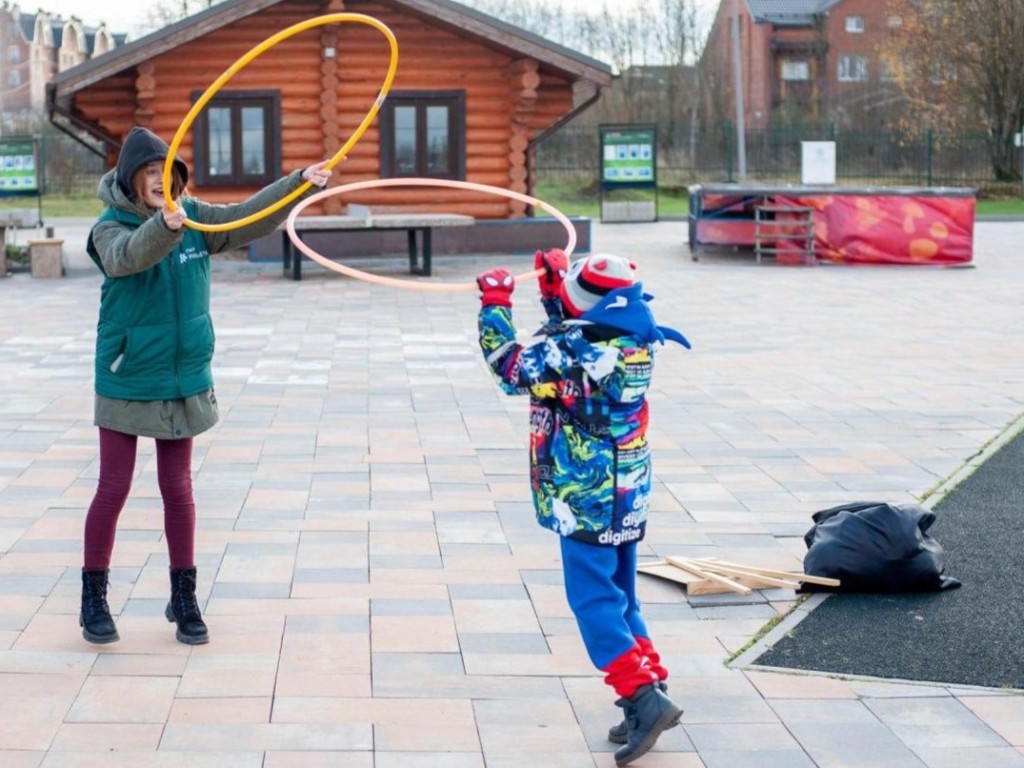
{"type": "Point", "coordinates": [817, 162]}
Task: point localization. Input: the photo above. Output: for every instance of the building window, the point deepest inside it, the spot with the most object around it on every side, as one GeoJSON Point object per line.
{"type": "Point", "coordinates": [13, 54]}
{"type": "Point", "coordinates": [423, 133]}
{"type": "Point", "coordinates": [237, 139]}
{"type": "Point", "coordinates": [796, 70]}
{"type": "Point", "coordinates": [895, 21]}
{"type": "Point", "coordinates": [853, 69]}
{"type": "Point", "coordinates": [855, 25]}
{"type": "Point", "coordinates": [13, 78]}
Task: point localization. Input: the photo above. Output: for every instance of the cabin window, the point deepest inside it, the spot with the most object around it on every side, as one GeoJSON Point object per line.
{"type": "Point", "coordinates": [423, 133]}
{"type": "Point", "coordinates": [237, 140]}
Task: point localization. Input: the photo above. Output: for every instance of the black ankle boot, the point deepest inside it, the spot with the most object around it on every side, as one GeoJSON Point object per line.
{"type": "Point", "coordinates": [619, 734]}
{"type": "Point", "coordinates": [95, 619]}
{"type": "Point", "coordinates": [184, 609]}
{"type": "Point", "coordinates": [648, 713]}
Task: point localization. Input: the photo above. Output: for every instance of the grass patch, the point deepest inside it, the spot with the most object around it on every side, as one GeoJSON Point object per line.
{"type": "Point", "coordinates": [79, 205]}
{"type": "Point", "coordinates": [1003, 207]}
{"type": "Point", "coordinates": [768, 627]}
{"type": "Point", "coordinates": [570, 199]}
{"type": "Point", "coordinates": [586, 201]}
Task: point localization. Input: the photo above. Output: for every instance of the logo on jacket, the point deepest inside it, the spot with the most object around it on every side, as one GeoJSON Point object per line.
{"type": "Point", "coordinates": [191, 253]}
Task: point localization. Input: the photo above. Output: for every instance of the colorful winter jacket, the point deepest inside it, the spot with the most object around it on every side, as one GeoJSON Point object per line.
{"type": "Point", "coordinates": [590, 465]}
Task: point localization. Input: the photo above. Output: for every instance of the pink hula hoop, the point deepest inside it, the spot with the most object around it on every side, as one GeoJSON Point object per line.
{"type": "Point", "coordinates": [417, 182]}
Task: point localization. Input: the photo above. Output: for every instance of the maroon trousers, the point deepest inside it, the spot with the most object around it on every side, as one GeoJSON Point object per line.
{"type": "Point", "coordinates": [117, 467]}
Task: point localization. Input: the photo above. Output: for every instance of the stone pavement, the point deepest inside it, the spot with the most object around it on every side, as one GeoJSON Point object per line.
{"type": "Point", "coordinates": [377, 591]}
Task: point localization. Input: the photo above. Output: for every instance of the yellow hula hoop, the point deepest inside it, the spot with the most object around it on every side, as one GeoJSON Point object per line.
{"type": "Point", "coordinates": [230, 72]}
{"type": "Point", "coordinates": [417, 182]}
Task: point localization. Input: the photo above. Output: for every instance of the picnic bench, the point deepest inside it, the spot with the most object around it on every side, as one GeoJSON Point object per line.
{"type": "Point", "coordinates": [418, 228]}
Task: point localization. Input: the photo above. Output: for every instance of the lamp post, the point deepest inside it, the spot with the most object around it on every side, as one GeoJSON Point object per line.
{"type": "Point", "coordinates": [737, 69]}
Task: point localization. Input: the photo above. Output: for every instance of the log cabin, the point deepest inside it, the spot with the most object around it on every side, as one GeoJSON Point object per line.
{"type": "Point", "coordinates": [471, 98]}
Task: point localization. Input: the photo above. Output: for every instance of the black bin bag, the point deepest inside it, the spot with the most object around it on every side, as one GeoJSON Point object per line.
{"type": "Point", "coordinates": [873, 546]}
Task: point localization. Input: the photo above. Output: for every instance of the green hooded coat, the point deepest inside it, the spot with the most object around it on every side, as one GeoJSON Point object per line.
{"type": "Point", "coordinates": [155, 338]}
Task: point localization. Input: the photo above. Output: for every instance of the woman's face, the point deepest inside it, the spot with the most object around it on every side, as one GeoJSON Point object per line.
{"type": "Point", "coordinates": [153, 185]}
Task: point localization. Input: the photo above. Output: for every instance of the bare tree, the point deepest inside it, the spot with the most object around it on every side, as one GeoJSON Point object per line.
{"type": "Point", "coordinates": [549, 20]}
{"type": "Point", "coordinates": [166, 12]}
{"type": "Point", "coordinates": [653, 45]}
{"type": "Point", "coordinates": [960, 65]}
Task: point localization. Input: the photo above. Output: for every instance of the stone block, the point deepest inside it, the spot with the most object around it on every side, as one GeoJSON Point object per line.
{"type": "Point", "coordinates": [47, 258]}
{"type": "Point", "coordinates": [628, 210]}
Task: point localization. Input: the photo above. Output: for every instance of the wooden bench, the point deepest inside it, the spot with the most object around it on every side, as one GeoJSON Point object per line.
{"type": "Point", "coordinates": [360, 219]}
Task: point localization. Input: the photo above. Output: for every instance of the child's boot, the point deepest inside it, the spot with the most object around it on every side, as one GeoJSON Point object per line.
{"type": "Point", "coordinates": [95, 620]}
{"type": "Point", "coordinates": [184, 610]}
{"type": "Point", "coordinates": [648, 712]}
{"type": "Point", "coordinates": [619, 734]}
{"type": "Point", "coordinates": [650, 659]}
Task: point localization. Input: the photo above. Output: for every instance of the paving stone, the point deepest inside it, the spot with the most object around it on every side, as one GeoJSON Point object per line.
{"type": "Point", "coordinates": [378, 590]}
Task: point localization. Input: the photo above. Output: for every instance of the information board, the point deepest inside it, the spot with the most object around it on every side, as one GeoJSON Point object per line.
{"type": "Point", "coordinates": [817, 162]}
{"type": "Point", "coordinates": [19, 169]}
{"type": "Point", "coordinates": [628, 156]}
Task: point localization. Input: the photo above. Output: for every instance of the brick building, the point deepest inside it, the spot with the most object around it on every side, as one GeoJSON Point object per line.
{"type": "Point", "coordinates": [805, 59]}
{"type": "Point", "coordinates": [33, 48]}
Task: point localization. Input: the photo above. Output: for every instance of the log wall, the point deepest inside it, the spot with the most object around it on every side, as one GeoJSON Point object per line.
{"type": "Point", "coordinates": [323, 100]}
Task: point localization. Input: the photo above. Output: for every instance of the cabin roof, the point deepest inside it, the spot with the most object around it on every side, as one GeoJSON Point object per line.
{"type": "Point", "coordinates": [467, 21]}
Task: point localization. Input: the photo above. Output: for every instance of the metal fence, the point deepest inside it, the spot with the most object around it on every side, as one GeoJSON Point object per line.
{"type": "Point", "coordinates": [708, 154]}
{"type": "Point", "coordinates": [68, 167]}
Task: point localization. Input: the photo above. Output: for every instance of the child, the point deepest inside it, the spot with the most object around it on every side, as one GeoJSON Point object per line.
{"type": "Point", "coordinates": [154, 347]}
{"type": "Point", "coordinates": [590, 470]}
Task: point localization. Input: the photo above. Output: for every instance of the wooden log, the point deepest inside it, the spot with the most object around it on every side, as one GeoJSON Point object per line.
{"type": "Point", "coordinates": [520, 66]}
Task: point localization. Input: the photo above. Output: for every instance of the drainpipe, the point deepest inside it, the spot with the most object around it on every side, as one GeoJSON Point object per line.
{"type": "Point", "coordinates": [77, 122]}
{"type": "Point", "coordinates": [532, 146]}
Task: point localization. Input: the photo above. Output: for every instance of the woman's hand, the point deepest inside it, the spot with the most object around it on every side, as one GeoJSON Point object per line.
{"type": "Point", "coordinates": [317, 174]}
{"type": "Point", "coordinates": [174, 220]}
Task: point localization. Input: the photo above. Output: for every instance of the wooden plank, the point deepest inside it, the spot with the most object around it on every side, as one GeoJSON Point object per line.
{"type": "Point", "coordinates": [689, 565]}
{"type": "Point", "coordinates": [694, 585]}
{"type": "Point", "coordinates": [822, 580]}
{"type": "Point", "coordinates": [748, 576]}
{"type": "Point", "coordinates": [669, 572]}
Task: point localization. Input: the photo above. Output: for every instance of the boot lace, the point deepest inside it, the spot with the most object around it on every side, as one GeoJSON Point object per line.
{"type": "Point", "coordinates": [184, 603]}
{"type": "Point", "coordinates": [95, 595]}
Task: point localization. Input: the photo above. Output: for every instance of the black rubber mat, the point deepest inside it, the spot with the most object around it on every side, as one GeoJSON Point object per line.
{"type": "Point", "coordinates": [967, 636]}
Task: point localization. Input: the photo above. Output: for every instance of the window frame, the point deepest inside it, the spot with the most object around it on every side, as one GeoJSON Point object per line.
{"type": "Point", "coordinates": [455, 100]}
{"type": "Point", "coordinates": [848, 71]}
{"type": "Point", "coordinates": [267, 100]}
{"type": "Point", "coordinates": [790, 67]}
{"type": "Point", "coordinates": [855, 25]}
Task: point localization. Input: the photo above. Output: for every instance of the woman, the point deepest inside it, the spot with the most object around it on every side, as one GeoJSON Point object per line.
{"type": "Point", "coordinates": [154, 348]}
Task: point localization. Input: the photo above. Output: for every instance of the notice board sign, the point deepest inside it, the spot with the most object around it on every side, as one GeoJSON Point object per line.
{"type": "Point", "coordinates": [19, 167]}
{"type": "Point", "coordinates": [817, 162]}
{"type": "Point", "coordinates": [629, 161]}
{"type": "Point", "coordinates": [629, 155]}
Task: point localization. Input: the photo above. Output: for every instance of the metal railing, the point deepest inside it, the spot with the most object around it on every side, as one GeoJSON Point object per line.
{"type": "Point", "coordinates": [882, 158]}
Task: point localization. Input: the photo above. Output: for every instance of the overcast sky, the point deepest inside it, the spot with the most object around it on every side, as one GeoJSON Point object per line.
{"type": "Point", "coordinates": [131, 15]}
